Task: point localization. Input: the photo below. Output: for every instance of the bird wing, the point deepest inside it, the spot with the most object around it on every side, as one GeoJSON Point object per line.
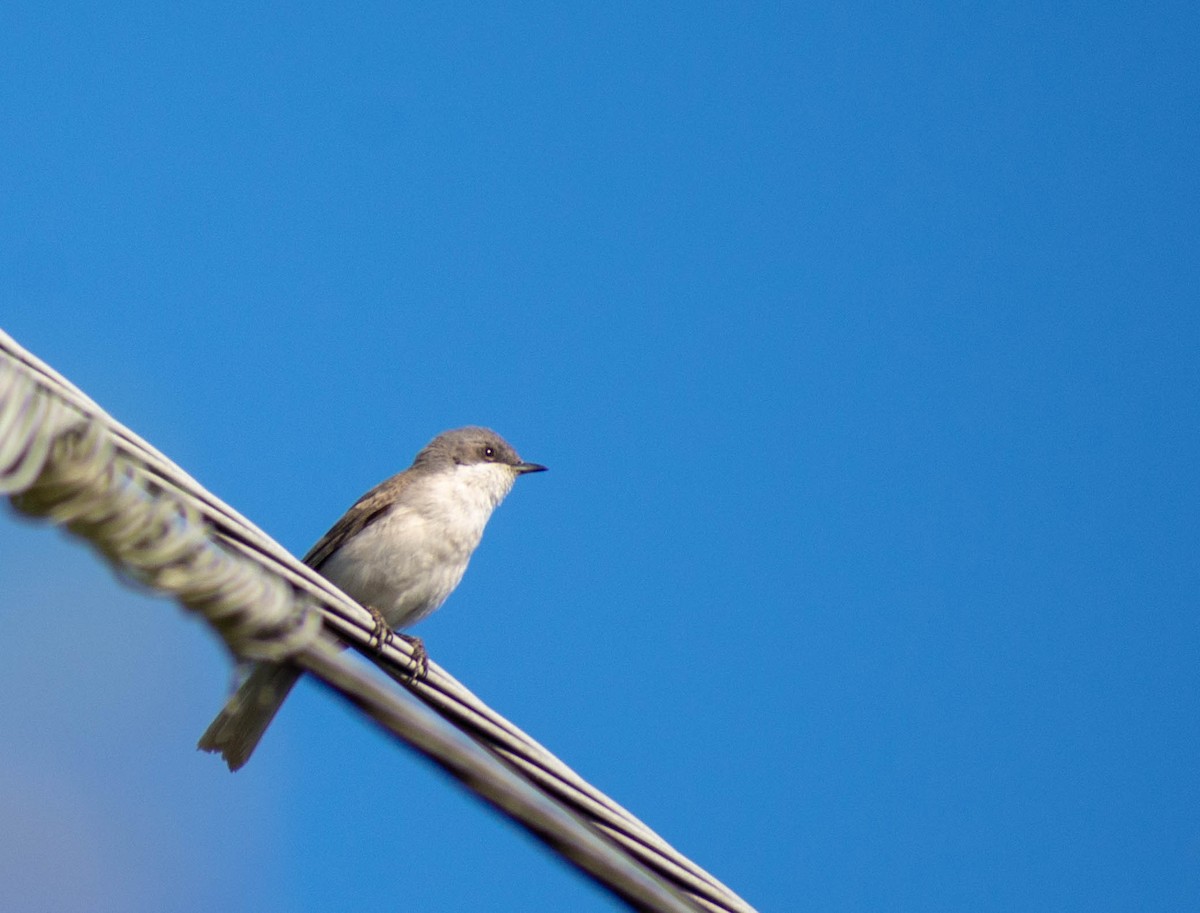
{"type": "Point", "coordinates": [366, 510]}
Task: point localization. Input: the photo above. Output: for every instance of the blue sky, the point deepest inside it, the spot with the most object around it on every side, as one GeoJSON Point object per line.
{"type": "Point", "coordinates": [862, 343]}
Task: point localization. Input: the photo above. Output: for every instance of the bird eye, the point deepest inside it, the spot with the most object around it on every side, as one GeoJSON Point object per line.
{"type": "Point", "coordinates": [489, 453]}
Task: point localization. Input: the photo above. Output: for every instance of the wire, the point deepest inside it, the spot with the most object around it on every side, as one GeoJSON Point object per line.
{"type": "Point", "coordinates": [64, 459]}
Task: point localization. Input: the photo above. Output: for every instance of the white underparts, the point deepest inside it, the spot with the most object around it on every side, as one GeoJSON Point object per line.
{"type": "Point", "coordinates": [406, 562]}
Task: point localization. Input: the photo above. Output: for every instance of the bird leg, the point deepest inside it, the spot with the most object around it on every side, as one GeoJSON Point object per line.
{"type": "Point", "coordinates": [420, 657]}
{"type": "Point", "coordinates": [381, 634]}
{"type": "Point", "coordinates": [381, 638]}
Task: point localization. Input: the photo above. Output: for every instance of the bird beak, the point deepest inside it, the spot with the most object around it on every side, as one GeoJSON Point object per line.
{"type": "Point", "coordinates": [522, 468]}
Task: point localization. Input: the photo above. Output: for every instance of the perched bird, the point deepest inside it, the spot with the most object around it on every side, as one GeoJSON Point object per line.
{"type": "Point", "coordinates": [399, 551]}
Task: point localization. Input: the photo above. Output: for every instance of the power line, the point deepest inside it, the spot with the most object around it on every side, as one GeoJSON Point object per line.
{"type": "Point", "coordinates": [64, 459]}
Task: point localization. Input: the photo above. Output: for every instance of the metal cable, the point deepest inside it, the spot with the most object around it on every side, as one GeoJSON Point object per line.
{"type": "Point", "coordinates": [63, 458]}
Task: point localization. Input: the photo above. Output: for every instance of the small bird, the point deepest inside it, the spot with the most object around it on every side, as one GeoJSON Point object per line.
{"type": "Point", "coordinates": [399, 551]}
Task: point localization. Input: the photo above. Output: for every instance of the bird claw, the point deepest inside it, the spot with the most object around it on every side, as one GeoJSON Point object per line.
{"type": "Point", "coordinates": [381, 634]}
{"type": "Point", "coordinates": [420, 657]}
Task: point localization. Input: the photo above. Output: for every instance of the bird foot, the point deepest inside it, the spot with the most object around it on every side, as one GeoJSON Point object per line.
{"type": "Point", "coordinates": [420, 657]}
{"type": "Point", "coordinates": [381, 634]}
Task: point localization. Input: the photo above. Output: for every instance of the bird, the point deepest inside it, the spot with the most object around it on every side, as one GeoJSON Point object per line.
{"type": "Point", "coordinates": [399, 551]}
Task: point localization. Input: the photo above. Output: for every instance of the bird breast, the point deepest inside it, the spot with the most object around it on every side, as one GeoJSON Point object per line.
{"type": "Point", "coordinates": [409, 560]}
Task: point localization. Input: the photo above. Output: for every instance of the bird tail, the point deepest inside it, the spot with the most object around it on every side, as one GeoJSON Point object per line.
{"type": "Point", "coordinates": [236, 731]}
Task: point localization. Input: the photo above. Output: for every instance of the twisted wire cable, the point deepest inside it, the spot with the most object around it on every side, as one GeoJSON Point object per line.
{"type": "Point", "coordinates": [64, 459]}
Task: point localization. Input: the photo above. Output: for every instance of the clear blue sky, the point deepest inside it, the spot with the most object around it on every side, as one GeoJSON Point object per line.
{"type": "Point", "coordinates": [863, 343]}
